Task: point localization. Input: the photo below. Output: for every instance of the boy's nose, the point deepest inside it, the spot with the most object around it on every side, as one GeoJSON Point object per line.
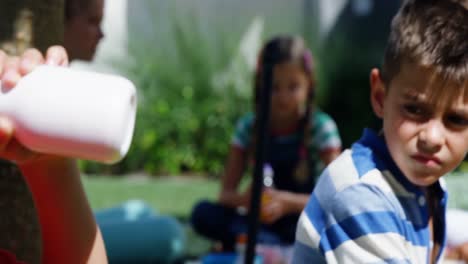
{"type": "Point", "coordinates": [431, 137]}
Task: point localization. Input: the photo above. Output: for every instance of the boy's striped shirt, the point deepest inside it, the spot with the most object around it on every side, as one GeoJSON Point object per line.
{"type": "Point", "coordinates": [363, 210]}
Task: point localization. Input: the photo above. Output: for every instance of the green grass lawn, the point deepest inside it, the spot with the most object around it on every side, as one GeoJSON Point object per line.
{"type": "Point", "coordinates": [176, 196]}
{"type": "Point", "coordinates": [173, 196]}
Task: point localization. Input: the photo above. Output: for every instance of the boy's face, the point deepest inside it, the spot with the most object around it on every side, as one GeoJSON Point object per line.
{"type": "Point", "coordinates": [425, 139]}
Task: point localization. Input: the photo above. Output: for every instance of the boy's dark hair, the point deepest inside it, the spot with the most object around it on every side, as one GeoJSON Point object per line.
{"type": "Point", "coordinates": [76, 7]}
{"type": "Point", "coordinates": [289, 49]}
{"type": "Point", "coordinates": [431, 34]}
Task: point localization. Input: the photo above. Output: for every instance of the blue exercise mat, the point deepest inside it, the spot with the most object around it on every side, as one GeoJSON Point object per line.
{"type": "Point", "coordinates": [134, 233]}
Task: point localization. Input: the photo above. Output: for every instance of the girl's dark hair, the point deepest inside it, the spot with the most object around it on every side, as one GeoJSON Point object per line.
{"type": "Point", "coordinates": [288, 49]}
{"type": "Point", "coordinates": [285, 49]}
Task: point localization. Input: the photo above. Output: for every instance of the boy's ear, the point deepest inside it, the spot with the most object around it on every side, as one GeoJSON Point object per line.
{"type": "Point", "coordinates": [377, 93]}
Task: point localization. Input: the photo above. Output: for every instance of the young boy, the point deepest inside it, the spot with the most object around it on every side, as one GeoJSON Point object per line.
{"type": "Point", "coordinates": [383, 199]}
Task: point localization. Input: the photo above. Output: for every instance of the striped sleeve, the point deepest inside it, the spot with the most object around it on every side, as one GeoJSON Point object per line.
{"type": "Point", "coordinates": [324, 132]}
{"type": "Point", "coordinates": [358, 227]}
{"type": "Point", "coordinates": [242, 132]}
{"type": "Point", "coordinates": [348, 220]}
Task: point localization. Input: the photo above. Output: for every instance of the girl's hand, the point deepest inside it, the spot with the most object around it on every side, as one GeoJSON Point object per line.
{"type": "Point", "coordinates": [12, 69]}
{"type": "Point", "coordinates": [274, 205]}
{"type": "Point", "coordinates": [458, 253]}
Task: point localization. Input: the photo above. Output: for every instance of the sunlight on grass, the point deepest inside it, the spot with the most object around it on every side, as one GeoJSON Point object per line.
{"type": "Point", "coordinates": [172, 195]}
{"type": "Point", "coordinates": [176, 196]}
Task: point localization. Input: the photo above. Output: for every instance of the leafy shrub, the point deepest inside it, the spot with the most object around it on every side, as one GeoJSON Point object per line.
{"type": "Point", "coordinates": [191, 89]}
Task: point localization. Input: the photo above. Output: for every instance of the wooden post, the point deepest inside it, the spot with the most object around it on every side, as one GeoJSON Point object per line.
{"type": "Point", "coordinates": [24, 24]}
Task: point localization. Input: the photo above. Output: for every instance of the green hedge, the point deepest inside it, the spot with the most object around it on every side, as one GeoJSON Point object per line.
{"type": "Point", "coordinates": [191, 89]}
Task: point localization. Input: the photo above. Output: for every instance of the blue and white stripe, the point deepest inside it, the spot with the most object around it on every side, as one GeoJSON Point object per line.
{"type": "Point", "coordinates": [363, 210]}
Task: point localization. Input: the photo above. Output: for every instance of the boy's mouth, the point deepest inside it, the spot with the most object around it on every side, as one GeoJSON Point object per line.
{"type": "Point", "coordinates": [427, 160]}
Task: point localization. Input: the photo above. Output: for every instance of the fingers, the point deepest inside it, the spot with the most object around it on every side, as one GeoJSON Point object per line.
{"type": "Point", "coordinates": [30, 59]}
{"type": "Point", "coordinates": [10, 74]}
{"type": "Point", "coordinates": [270, 213]}
{"type": "Point", "coordinates": [13, 68]}
{"type": "Point", "coordinates": [269, 191]}
{"type": "Point", "coordinates": [3, 58]}
{"type": "Point", "coordinates": [56, 56]}
{"type": "Point", "coordinates": [463, 249]}
{"type": "Point", "coordinates": [268, 217]}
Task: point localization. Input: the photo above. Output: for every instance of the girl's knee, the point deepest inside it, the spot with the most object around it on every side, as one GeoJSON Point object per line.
{"type": "Point", "coordinates": [201, 212]}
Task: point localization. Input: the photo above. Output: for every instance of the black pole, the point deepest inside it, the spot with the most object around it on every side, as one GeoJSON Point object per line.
{"type": "Point", "coordinates": [262, 122]}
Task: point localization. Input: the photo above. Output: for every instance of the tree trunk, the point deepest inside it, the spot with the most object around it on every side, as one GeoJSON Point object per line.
{"type": "Point", "coordinates": [24, 24]}
{"type": "Point", "coordinates": [30, 23]}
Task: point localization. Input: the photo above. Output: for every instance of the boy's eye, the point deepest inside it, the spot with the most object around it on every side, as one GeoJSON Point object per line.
{"type": "Point", "coordinates": [457, 120]}
{"type": "Point", "coordinates": [414, 109]}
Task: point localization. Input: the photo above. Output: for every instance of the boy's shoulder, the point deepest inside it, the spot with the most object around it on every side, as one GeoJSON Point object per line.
{"type": "Point", "coordinates": [366, 178]}
{"type": "Point", "coordinates": [356, 177]}
{"type": "Point", "coordinates": [345, 198]}
{"type": "Point", "coordinates": [352, 173]}
{"type": "Point", "coordinates": [346, 193]}
{"type": "Point", "coordinates": [361, 197]}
